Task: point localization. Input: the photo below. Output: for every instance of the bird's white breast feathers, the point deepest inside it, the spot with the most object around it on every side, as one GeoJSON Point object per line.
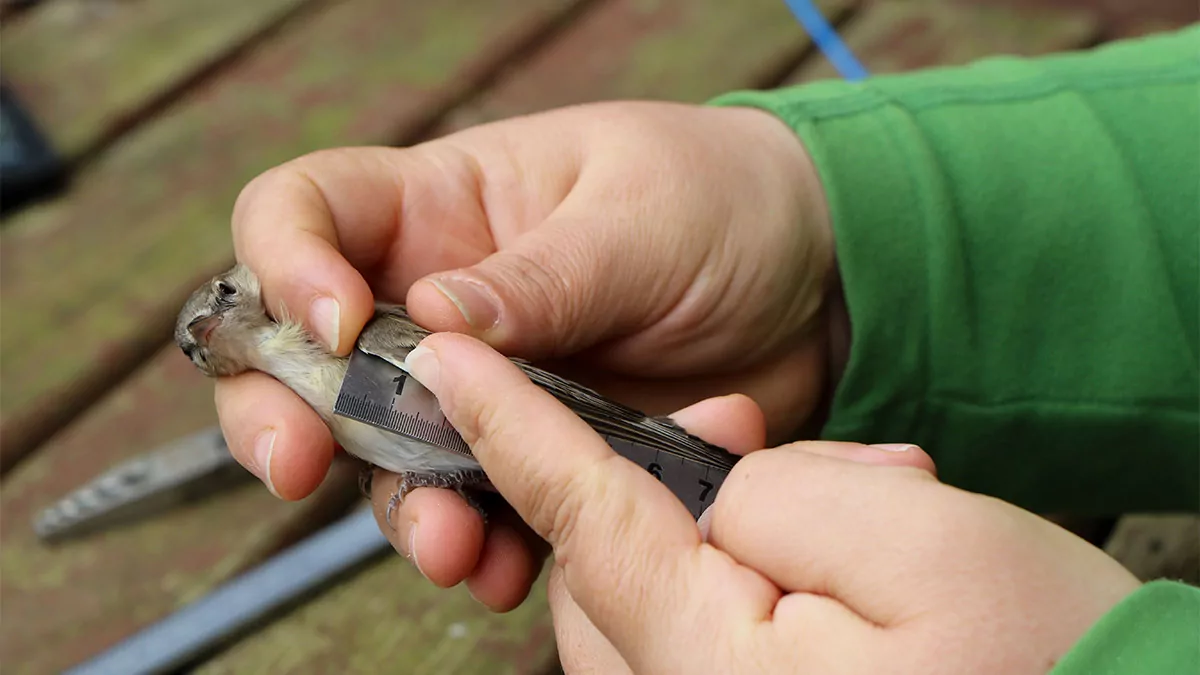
{"type": "Point", "coordinates": [287, 354]}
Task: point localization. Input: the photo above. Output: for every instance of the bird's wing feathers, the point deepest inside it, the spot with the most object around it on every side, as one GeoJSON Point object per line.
{"type": "Point", "coordinates": [392, 334]}
{"type": "Point", "coordinates": [615, 420]}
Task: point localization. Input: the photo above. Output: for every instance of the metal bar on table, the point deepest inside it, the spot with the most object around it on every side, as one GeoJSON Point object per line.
{"type": "Point", "coordinates": [198, 628]}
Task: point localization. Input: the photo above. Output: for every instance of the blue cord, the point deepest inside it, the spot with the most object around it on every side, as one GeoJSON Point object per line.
{"type": "Point", "coordinates": [827, 40]}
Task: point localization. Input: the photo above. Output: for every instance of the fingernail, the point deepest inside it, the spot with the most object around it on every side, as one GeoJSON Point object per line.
{"type": "Point", "coordinates": [704, 522]}
{"type": "Point", "coordinates": [422, 363]}
{"type": "Point", "coordinates": [471, 593]}
{"type": "Point", "coordinates": [412, 549]}
{"type": "Point", "coordinates": [894, 447]}
{"type": "Point", "coordinates": [409, 546]}
{"type": "Point", "coordinates": [264, 446]}
{"type": "Point", "coordinates": [325, 316]}
{"type": "Point", "coordinates": [478, 306]}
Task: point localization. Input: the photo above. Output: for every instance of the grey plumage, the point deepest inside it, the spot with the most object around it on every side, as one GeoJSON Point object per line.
{"type": "Point", "coordinates": [225, 330]}
{"type": "Point", "coordinates": [392, 334]}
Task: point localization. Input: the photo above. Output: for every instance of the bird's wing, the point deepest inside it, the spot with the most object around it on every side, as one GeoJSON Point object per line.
{"type": "Point", "coordinates": [392, 334]}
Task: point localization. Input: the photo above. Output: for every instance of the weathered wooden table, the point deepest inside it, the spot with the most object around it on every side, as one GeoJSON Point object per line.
{"type": "Point", "coordinates": [166, 108]}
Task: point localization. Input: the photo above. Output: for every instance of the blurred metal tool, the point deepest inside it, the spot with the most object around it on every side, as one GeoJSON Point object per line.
{"type": "Point", "coordinates": [245, 602]}
{"type": "Point", "coordinates": [32, 168]}
{"type": "Point", "coordinates": [181, 471]}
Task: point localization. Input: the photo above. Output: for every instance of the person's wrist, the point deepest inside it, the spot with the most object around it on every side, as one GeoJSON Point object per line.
{"type": "Point", "coordinates": [787, 163]}
{"type": "Point", "coordinates": [834, 319]}
{"type": "Point", "coordinates": [782, 231]}
{"type": "Point", "coordinates": [830, 324]}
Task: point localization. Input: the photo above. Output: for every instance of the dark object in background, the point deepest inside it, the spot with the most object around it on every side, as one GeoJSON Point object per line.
{"type": "Point", "coordinates": [29, 166]}
{"type": "Point", "coordinates": [8, 7]}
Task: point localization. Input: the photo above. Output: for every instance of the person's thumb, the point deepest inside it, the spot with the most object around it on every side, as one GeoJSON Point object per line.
{"type": "Point", "coordinates": [559, 288]}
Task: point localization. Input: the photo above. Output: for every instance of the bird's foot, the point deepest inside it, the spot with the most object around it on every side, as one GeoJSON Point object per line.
{"type": "Point", "coordinates": [459, 481]}
{"type": "Point", "coordinates": [366, 476]}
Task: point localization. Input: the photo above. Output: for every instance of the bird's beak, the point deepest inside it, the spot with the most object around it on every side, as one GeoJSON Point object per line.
{"type": "Point", "coordinates": [202, 326]}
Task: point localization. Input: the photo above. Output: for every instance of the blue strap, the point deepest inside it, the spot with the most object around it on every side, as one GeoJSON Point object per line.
{"type": "Point", "coordinates": [827, 40]}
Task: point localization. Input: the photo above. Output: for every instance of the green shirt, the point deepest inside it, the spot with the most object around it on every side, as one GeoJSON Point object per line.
{"type": "Point", "coordinates": [1018, 244]}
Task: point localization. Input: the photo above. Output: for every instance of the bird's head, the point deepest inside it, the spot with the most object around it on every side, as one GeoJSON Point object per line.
{"type": "Point", "coordinates": [221, 323]}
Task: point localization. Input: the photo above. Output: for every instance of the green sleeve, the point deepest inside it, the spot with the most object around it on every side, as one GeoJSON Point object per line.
{"type": "Point", "coordinates": [1154, 630]}
{"type": "Point", "coordinates": [1018, 245]}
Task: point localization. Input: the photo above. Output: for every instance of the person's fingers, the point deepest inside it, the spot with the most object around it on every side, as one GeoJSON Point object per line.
{"type": "Point", "coordinates": [274, 433]}
{"type": "Point", "coordinates": [734, 422]}
{"type": "Point", "coordinates": [511, 554]}
{"type": "Point", "coordinates": [495, 423]}
{"type": "Point", "coordinates": [285, 228]}
{"type": "Point", "coordinates": [434, 529]}
{"type": "Point", "coordinates": [879, 454]}
{"type": "Point", "coordinates": [582, 649]}
{"type": "Point", "coordinates": [447, 542]}
{"type": "Point", "coordinates": [315, 228]}
{"type": "Point", "coordinates": [611, 523]}
{"type": "Point", "coordinates": [807, 487]}
{"type": "Point", "coordinates": [558, 289]}
{"type": "Point", "coordinates": [511, 559]}
{"type": "Point", "coordinates": [882, 454]}
{"type": "Point", "coordinates": [572, 279]}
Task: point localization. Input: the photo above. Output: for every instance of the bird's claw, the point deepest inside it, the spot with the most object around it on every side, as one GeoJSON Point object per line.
{"type": "Point", "coordinates": [366, 477]}
{"type": "Point", "coordinates": [393, 502]}
{"type": "Point", "coordinates": [454, 480]}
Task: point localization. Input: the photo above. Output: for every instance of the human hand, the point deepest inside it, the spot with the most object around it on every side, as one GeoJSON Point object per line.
{"type": "Point", "coordinates": [819, 557]}
{"type": "Point", "coordinates": [673, 252]}
{"type": "Point", "coordinates": [827, 557]}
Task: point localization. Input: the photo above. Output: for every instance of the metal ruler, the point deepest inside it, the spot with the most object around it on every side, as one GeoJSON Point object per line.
{"type": "Point", "coordinates": [376, 392]}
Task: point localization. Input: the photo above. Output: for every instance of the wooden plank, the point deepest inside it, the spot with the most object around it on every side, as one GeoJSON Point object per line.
{"type": "Point", "coordinates": [1120, 18]}
{"type": "Point", "coordinates": [388, 619]}
{"type": "Point", "coordinates": [150, 217]}
{"type": "Point", "coordinates": [677, 50]}
{"type": "Point", "coordinates": [1158, 546]}
{"type": "Point", "coordinates": [89, 69]}
{"type": "Point", "coordinates": [65, 602]}
{"type": "Point", "coordinates": [891, 36]}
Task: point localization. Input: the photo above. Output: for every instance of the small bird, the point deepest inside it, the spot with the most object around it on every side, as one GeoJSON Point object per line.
{"type": "Point", "coordinates": [224, 328]}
